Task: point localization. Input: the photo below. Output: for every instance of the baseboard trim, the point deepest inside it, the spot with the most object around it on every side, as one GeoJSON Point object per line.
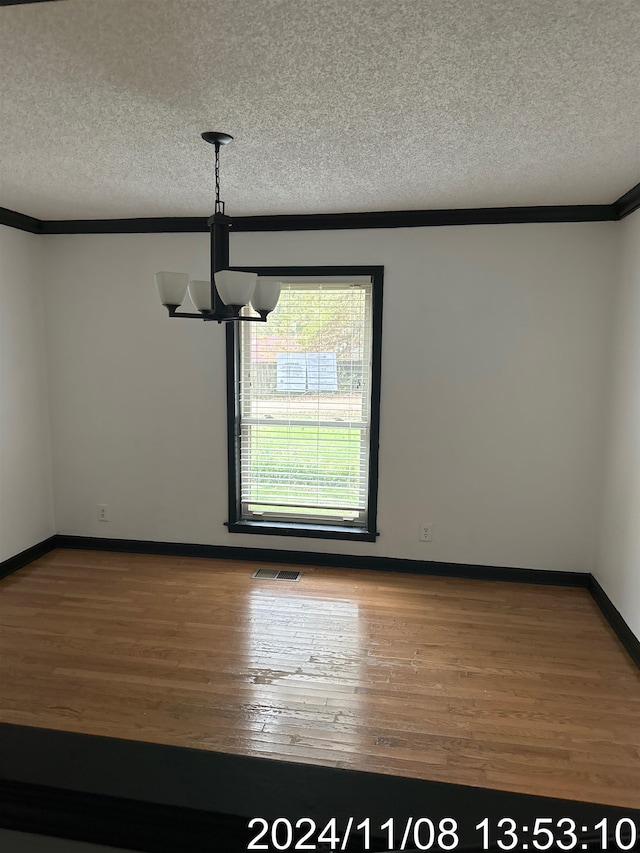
{"type": "Point", "coordinates": [311, 558]}
{"type": "Point", "coordinates": [615, 619]}
{"type": "Point", "coordinates": [7, 567]}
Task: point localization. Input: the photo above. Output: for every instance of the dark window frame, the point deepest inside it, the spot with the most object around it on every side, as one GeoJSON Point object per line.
{"type": "Point", "coordinates": [236, 524]}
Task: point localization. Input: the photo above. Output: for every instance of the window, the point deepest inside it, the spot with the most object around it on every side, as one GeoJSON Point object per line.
{"type": "Point", "coordinates": [303, 400]}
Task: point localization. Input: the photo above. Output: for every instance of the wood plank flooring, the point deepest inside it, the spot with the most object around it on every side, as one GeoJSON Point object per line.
{"type": "Point", "coordinates": [501, 685]}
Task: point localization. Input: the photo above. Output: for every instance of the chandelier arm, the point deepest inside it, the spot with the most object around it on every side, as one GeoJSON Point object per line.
{"type": "Point", "coordinates": [173, 312]}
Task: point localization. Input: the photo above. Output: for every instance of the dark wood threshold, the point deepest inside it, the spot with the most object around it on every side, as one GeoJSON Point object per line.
{"type": "Point", "coordinates": [162, 799]}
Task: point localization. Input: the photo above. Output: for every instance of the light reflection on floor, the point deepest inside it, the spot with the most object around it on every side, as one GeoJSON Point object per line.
{"type": "Point", "coordinates": [301, 655]}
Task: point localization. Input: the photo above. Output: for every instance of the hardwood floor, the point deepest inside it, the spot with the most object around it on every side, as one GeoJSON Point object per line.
{"type": "Point", "coordinates": [501, 685]}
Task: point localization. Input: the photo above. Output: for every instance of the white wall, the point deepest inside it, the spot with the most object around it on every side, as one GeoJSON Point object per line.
{"type": "Point", "coordinates": [618, 564]}
{"type": "Point", "coordinates": [26, 501]}
{"type": "Point", "coordinates": [494, 365]}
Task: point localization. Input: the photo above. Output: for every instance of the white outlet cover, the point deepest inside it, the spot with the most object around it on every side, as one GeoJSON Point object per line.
{"type": "Point", "coordinates": [103, 512]}
{"type": "Point", "coordinates": [425, 532]}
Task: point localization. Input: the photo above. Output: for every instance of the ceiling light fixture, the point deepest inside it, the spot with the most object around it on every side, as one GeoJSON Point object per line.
{"type": "Point", "coordinates": [229, 291]}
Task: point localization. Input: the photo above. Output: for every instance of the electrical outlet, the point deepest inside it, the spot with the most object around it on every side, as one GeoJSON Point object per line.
{"type": "Point", "coordinates": [425, 532]}
{"type": "Point", "coordinates": [103, 512]}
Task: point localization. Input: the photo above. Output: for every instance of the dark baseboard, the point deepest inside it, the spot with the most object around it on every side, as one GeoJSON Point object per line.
{"type": "Point", "coordinates": [162, 799]}
{"type": "Point", "coordinates": [16, 562]}
{"type": "Point", "coordinates": [312, 558]}
{"type": "Point", "coordinates": [615, 620]}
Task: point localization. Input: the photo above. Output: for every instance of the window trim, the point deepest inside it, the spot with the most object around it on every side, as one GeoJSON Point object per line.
{"type": "Point", "coordinates": [235, 523]}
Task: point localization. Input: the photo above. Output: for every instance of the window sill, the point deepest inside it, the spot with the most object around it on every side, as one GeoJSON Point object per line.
{"type": "Point", "coordinates": [309, 531]}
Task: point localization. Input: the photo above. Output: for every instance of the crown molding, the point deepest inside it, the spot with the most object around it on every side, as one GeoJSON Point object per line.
{"type": "Point", "coordinates": [23, 2]}
{"type": "Point", "coordinates": [20, 221]}
{"type": "Point", "coordinates": [318, 221]}
{"type": "Point", "coordinates": [627, 203]}
{"type": "Point", "coordinates": [425, 218]}
{"type": "Point", "coordinates": [148, 225]}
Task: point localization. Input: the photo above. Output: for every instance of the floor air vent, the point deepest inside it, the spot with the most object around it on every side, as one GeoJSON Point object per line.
{"type": "Point", "coordinates": [277, 575]}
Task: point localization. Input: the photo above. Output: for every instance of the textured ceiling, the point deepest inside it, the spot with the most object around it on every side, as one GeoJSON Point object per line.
{"type": "Point", "coordinates": [335, 105]}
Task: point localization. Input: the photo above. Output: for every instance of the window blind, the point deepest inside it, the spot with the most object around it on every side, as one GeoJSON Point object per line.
{"type": "Point", "coordinates": [305, 405]}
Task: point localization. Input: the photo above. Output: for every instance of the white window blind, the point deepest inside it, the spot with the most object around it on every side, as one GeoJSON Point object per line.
{"type": "Point", "coordinates": [305, 406]}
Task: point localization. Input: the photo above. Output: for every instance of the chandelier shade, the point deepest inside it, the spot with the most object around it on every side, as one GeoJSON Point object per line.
{"type": "Point", "coordinates": [235, 288]}
{"type": "Point", "coordinates": [200, 293]}
{"type": "Point", "coordinates": [265, 296]}
{"type": "Point", "coordinates": [172, 287]}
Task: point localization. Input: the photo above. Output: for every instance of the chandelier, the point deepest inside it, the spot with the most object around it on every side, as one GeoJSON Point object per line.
{"type": "Point", "coordinates": [229, 291]}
